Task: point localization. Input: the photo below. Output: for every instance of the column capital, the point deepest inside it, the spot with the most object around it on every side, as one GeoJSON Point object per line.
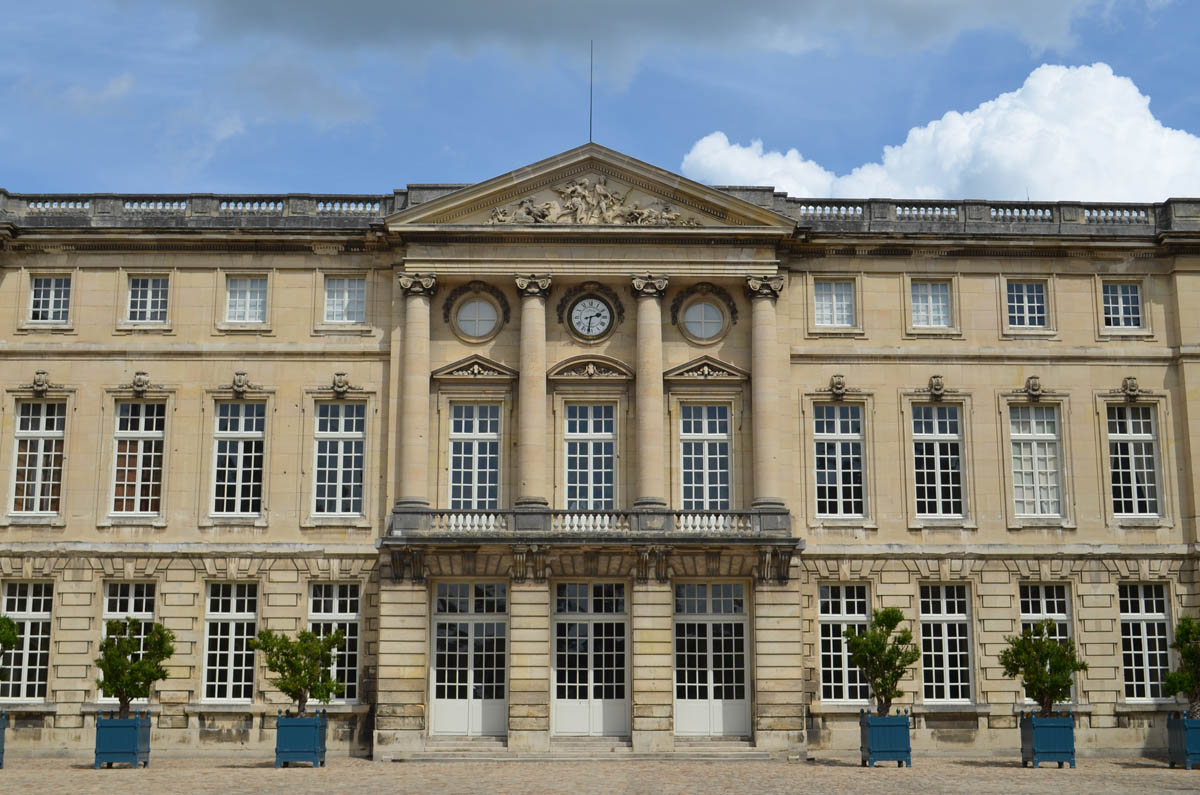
{"type": "Point", "coordinates": [534, 285]}
{"type": "Point", "coordinates": [649, 286]}
{"type": "Point", "coordinates": [764, 286]}
{"type": "Point", "coordinates": [418, 283]}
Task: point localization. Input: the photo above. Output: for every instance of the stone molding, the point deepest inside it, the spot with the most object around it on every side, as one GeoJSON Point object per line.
{"type": "Point", "coordinates": [534, 285]}
{"type": "Point", "coordinates": [418, 283]}
{"type": "Point", "coordinates": [648, 286]}
{"type": "Point", "coordinates": [590, 367]}
{"type": "Point", "coordinates": [475, 368]}
{"type": "Point", "coordinates": [764, 287]}
{"type": "Point", "coordinates": [706, 368]}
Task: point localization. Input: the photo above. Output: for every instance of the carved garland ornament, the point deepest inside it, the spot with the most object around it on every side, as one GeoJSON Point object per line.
{"type": "Point", "coordinates": [702, 289]}
{"type": "Point", "coordinates": [476, 287]}
{"type": "Point", "coordinates": [591, 287]}
{"type": "Point", "coordinates": [583, 203]}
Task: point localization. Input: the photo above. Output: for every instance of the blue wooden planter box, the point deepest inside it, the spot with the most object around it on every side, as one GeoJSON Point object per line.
{"type": "Point", "coordinates": [884, 739]}
{"type": "Point", "coordinates": [1047, 739]}
{"type": "Point", "coordinates": [1183, 740]}
{"type": "Point", "coordinates": [123, 740]}
{"type": "Point", "coordinates": [3, 726]}
{"type": "Point", "coordinates": [301, 739]}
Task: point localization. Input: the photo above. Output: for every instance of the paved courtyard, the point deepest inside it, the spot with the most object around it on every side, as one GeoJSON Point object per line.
{"type": "Point", "coordinates": [239, 773]}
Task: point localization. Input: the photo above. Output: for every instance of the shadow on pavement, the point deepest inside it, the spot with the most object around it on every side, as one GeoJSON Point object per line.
{"type": "Point", "coordinates": [833, 762]}
{"type": "Point", "coordinates": [1009, 763]}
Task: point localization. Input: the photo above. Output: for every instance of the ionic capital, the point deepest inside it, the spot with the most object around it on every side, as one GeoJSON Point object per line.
{"type": "Point", "coordinates": [649, 286]}
{"type": "Point", "coordinates": [764, 286]}
{"type": "Point", "coordinates": [418, 283]}
{"type": "Point", "coordinates": [534, 285]}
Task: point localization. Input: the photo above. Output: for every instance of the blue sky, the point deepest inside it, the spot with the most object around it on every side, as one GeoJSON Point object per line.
{"type": "Point", "coordinates": [1050, 99]}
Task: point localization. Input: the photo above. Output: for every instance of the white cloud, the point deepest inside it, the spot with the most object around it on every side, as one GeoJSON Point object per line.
{"type": "Point", "coordinates": [87, 100]}
{"type": "Point", "coordinates": [1069, 133]}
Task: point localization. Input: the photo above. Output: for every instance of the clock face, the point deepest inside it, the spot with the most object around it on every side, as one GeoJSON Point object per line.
{"type": "Point", "coordinates": [591, 317]}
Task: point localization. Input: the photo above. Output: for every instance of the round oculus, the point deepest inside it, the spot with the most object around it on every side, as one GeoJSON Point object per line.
{"type": "Point", "coordinates": [476, 317]}
{"type": "Point", "coordinates": [703, 320]}
{"type": "Point", "coordinates": [591, 317]}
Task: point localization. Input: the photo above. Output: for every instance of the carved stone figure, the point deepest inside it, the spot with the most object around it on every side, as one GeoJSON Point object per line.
{"type": "Point", "coordinates": [583, 203]}
{"type": "Point", "coordinates": [1033, 388]}
{"type": "Point", "coordinates": [41, 382]}
{"type": "Point", "coordinates": [241, 383]}
{"type": "Point", "coordinates": [937, 387]}
{"type": "Point", "coordinates": [837, 387]}
{"type": "Point", "coordinates": [1130, 388]}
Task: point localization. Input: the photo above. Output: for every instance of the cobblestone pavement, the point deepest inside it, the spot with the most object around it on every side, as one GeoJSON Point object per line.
{"type": "Point", "coordinates": [235, 774]}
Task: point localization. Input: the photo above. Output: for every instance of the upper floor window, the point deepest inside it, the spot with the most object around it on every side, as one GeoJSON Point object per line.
{"type": "Point", "coordinates": [50, 301]}
{"type": "Point", "coordinates": [246, 299]}
{"type": "Point", "coordinates": [475, 456]}
{"type": "Point", "coordinates": [38, 463]}
{"type": "Point", "coordinates": [1122, 304]}
{"type": "Point", "coordinates": [931, 304]}
{"type": "Point", "coordinates": [1027, 305]}
{"type": "Point", "coordinates": [240, 450]}
{"type": "Point", "coordinates": [148, 299]}
{"type": "Point", "coordinates": [838, 439]}
{"type": "Point", "coordinates": [25, 668]}
{"type": "Point", "coordinates": [1037, 488]}
{"type": "Point", "coordinates": [705, 456]}
{"type": "Point", "coordinates": [937, 460]}
{"type": "Point", "coordinates": [591, 455]}
{"type": "Point", "coordinates": [345, 299]}
{"type": "Point", "coordinates": [833, 303]}
{"type": "Point", "coordinates": [1133, 460]}
{"type": "Point", "coordinates": [138, 467]}
{"type": "Point", "coordinates": [340, 458]}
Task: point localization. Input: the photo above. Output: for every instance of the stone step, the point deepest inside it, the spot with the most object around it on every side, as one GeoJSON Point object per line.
{"type": "Point", "coordinates": [570, 756]}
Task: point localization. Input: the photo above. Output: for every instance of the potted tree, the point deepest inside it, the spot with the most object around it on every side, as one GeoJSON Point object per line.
{"type": "Point", "coordinates": [1047, 666]}
{"type": "Point", "coordinates": [883, 658]}
{"type": "Point", "coordinates": [130, 662]}
{"type": "Point", "coordinates": [303, 670]}
{"type": "Point", "coordinates": [8, 639]}
{"type": "Point", "coordinates": [1183, 731]}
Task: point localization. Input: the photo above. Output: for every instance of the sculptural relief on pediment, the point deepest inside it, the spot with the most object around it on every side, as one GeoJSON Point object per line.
{"type": "Point", "coordinates": [591, 201]}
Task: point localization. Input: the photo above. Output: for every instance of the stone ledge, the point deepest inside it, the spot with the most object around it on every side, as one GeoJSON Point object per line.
{"type": "Point", "coordinates": [952, 709]}
{"type": "Point", "coordinates": [40, 707]}
{"type": "Point", "coordinates": [93, 707]}
{"type": "Point", "coordinates": [1077, 709]}
{"type": "Point", "coordinates": [1125, 707]}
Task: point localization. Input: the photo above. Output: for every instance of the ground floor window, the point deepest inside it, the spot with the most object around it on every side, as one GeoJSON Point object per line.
{"type": "Point", "coordinates": [25, 669]}
{"type": "Point", "coordinates": [231, 621]}
{"type": "Point", "coordinates": [842, 608]}
{"type": "Point", "coordinates": [945, 643]}
{"type": "Point", "coordinates": [1144, 643]}
{"type": "Point", "coordinates": [333, 607]}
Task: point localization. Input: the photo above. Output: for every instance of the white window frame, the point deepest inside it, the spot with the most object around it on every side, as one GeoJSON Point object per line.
{"type": "Point", "coordinates": [140, 599]}
{"type": "Point", "coordinates": [38, 439]}
{"type": "Point", "coordinates": [241, 438]}
{"type": "Point", "coordinates": [841, 606]}
{"type": "Point", "coordinates": [30, 604]}
{"type": "Point", "coordinates": [237, 312]}
{"type": "Point", "coordinates": [941, 441]}
{"type": "Point", "coordinates": [1116, 309]}
{"type": "Point", "coordinates": [243, 626]}
{"type": "Point", "coordinates": [842, 458]}
{"type": "Point", "coordinates": [919, 315]}
{"type": "Point", "coordinates": [1040, 459]}
{"type": "Point", "coordinates": [1039, 602]}
{"type": "Point", "coordinates": [343, 441]}
{"type": "Point", "coordinates": [834, 304]}
{"type": "Point", "coordinates": [946, 608]}
{"type": "Point", "coordinates": [590, 476]}
{"type": "Point", "coordinates": [333, 606]}
{"type": "Point", "coordinates": [1139, 481]}
{"type": "Point", "coordinates": [57, 299]}
{"type": "Point", "coordinates": [143, 454]}
{"type": "Point", "coordinates": [709, 477]}
{"type": "Point", "coordinates": [1023, 311]}
{"type": "Point", "coordinates": [1145, 622]}
{"type": "Point", "coordinates": [1144, 329]}
{"type": "Point", "coordinates": [462, 414]}
{"type": "Point", "coordinates": [154, 304]}
{"type": "Point", "coordinates": [345, 300]}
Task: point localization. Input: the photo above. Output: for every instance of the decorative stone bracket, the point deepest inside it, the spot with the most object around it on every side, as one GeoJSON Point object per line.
{"type": "Point", "coordinates": [532, 555]}
{"type": "Point", "coordinates": [774, 563]}
{"type": "Point", "coordinates": [408, 563]}
{"type": "Point", "coordinates": [653, 559]}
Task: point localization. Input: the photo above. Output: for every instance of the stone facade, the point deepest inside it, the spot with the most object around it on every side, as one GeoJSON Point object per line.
{"type": "Point", "coordinates": [552, 441]}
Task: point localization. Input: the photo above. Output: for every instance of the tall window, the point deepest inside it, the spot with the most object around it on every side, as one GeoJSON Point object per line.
{"type": "Point", "coordinates": [1042, 602]}
{"type": "Point", "coordinates": [937, 460]}
{"type": "Point", "coordinates": [338, 474]}
{"type": "Point", "coordinates": [591, 437]}
{"type": "Point", "coordinates": [838, 436]}
{"type": "Point", "coordinates": [147, 299]}
{"type": "Point", "coordinates": [1033, 431]}
{"type": "Point", "coordinates": [475, 456]}
{"type": "Point", "coordinates": [1144, 644]}
{"type": "Point", "coordinates": [333, 607]}
{"type": "Point", "coordinates": [38, 463]}
{"type": "Point", "coordinates": [931, 304]}
{"type": "Point", "coordinates": [240, 440]}
{"type": "Point", "coordinates": [50, 301]}
{"type": "Point", "coordinates": [1122, 304]}
{"type": "Point", "coordinates": [833, 303]}
{"type": "Point", "coordinates": [246, 298]}
{"type": "Point", "coordinates": [1132, 460]}
{"type": "Point", "coordinates": [25, 668]}
{"type": "Point", "coordinates": [945, 643]}
{"type": "Point", "coordinates": [138, 469]}
{"type": "Point", "coordinates": [129, 600]}
{"type": "Point", "coordinates": [230, 624]}
{"type": "Point", "coordinates": [345, 299]}
{"type": "Point", "coordinates": [705, 439]}
{"type": "Point", "coordinates": [842, 608]}
{"type": "Point", "coordinates": [1027, 304]}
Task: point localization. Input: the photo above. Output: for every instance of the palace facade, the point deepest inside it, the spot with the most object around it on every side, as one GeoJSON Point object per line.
{"type": "Point", "coordinates": [591, 456]}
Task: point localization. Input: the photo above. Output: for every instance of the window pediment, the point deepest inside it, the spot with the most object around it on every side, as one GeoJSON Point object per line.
{"type": "Point", "coordinates": [590, 368]}
{"type": "Point", "coordinates": [706, 368]}
{"type": "Point", "coordinates": [475, 369]}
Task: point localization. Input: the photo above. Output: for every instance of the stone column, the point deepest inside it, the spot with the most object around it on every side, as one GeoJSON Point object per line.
{"type": "Point", "coordinates": [766, 384]}
{"type": "Point", "coordinates": [651, 490]}
{"type": "Point", "coordinates": [413, 424]}
{"type": "Point", "coordinates": [529, 667]}
{"type": "Point", "coordinates": [653, 667]}
{"type": "Point", "coordinates": [532, 488]}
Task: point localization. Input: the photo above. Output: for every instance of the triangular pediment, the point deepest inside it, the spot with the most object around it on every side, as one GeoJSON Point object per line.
{"type": "Point", "coordinates": [587, 367]}
{"type": "Point", "coordinates": [594, 187]}
{"type": "Point", "coordinates": [706, 368]}
{"type": "Point", "coordinates": [475, 369]}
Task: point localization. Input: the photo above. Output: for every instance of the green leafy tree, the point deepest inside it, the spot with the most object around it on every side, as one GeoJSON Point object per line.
{"type": "Point", "coordinates": [1187, 679]}
{"type": "Point", "coordinates": [302, 665]}
{"type": "Point", "coordinates": [8, 637]}
{"type": "Point", "coordinates": [883, 658]}
{"type": "Point", "coordinates": [1045, 664]}
{"type": "Point", "coordinates": [128, 666]}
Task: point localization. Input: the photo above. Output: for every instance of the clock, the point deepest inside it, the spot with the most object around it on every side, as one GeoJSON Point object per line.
{"type": "Point", "coordinates": [590, 317]}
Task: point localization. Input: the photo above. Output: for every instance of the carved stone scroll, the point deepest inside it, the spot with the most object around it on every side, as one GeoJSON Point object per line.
{"type": "Point", "coordinates": [418, 283]}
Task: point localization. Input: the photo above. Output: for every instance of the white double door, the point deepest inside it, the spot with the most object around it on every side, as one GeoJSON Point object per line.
{"type": "Point", "coordinates": [591, 680]}
{"type": "Point", "coordinates": [470, 661]}
{"type": "Point", "coordinates": [711, 690]}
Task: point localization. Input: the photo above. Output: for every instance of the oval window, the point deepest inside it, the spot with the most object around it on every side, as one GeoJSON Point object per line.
{"type": "Point", "coordinates": [703, 320]}
{"type": "Point", "coordinates": [477, 317]}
